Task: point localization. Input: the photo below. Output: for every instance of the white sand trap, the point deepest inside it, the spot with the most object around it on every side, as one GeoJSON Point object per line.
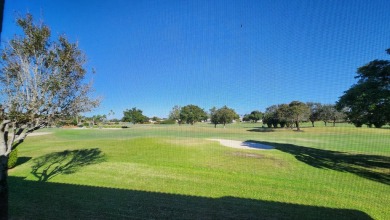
{"type": "Point", "coordinates": [243, 145]}
{"type": "Point", "coordinates": [39, 133]}
{"type": "Point", "coordinates": [35, 134]}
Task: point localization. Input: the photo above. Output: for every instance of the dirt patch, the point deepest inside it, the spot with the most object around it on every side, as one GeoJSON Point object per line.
{"type": "Point", "coordinates": [241, 154]}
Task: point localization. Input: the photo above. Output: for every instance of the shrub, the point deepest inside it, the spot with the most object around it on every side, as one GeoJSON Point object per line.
{"type": "Point", "coordinates": [168, 121]}
{"type": "Point", "coordinates": [12, 159]}
{"type": "Point", "coordinates": [60, 124]}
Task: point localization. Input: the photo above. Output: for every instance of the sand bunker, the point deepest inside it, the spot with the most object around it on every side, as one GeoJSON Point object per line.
{"type": "Point", "coordinates": [243, 145]}
{"type": "Point", "coordinates": [39, 133]}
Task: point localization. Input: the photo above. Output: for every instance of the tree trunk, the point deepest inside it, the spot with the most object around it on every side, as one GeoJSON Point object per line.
{"type": "Point", "coordinates": [215, 125]}
{"type": "Point", "coordinates": [312, 123]}
{"type": "Point", "coordinates": [297, 125]}
{"type": "Point", "coordinates": [3, 188]}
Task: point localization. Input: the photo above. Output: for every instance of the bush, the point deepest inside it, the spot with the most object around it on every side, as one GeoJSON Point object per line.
{"type": "Point", "coordinates": [168, 121]}
{"type": "Point", "coordinates": [12, 159]}
{"type": "Point", "coordinates": [60, 124]}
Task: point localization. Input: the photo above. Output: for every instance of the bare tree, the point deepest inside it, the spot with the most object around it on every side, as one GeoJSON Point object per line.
{"type": "Point", "coordinates": [41, 81]}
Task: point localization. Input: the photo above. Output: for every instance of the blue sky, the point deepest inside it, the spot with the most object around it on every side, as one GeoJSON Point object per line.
{"type": "Point", "coordinates": [247, 55]}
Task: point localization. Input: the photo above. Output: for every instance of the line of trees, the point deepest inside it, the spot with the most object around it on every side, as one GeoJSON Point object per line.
{"type": "Point", "coordinates": [281, 115]}
{"type": "Point", "coordinates": [366, 102]}
{"type": "Point", "coordinates": [288, 115]}
{"type": "Point", "coordinates": [190, 114]}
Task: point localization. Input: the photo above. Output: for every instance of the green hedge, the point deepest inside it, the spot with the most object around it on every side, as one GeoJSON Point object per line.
{"type": "Point", "coordinates": [12, 159]}
{"type": "Point", "coordinates": [167, 122]}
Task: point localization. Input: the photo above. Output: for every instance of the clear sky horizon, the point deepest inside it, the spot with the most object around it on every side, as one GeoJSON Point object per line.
{"type": "Point", "coordinates": [247, 55]}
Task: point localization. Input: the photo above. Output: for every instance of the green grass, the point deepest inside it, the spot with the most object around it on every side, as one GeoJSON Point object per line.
{"type": "Point", "coordinates": [170, 171]}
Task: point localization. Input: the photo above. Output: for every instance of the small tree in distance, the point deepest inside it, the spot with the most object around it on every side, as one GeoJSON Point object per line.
{"type": "Point", "coordinates": [226, 115]}
{"type": "Point", "coordinates": [315, 110]}
{"type": "Point", "coordinates": [174, 114]}
{"type": "Point", "coordinates": [299, 112]}
{"type": "Point", "coordinates": [255, 116]}
{"type": "Point", "coordinates": [327, 113]}
{"type": "Point", "coordinates": [223, 116]}
{"type": "Point", "coordinates": [214, 116]}
{"type": "Point", "coordinates": [271, 116]}
{"type": "Point", "coordinates": [135, 116]}
{"type": "Point", "coordinates": [192, 114]}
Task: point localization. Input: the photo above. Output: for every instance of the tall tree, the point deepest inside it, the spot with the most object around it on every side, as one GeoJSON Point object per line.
{"type": "Point", "coordinates": [175, 114]}
{"type": "Point", "coordinates": [41, 81]}
{"type": "Point", "coordinates": [368, 101]}
{"type": "Point", "coordinates": [246, 118]}
{"type": "Point", "coordinates": [329, 113]}
{"type": "Point", "coordinates": [299, 112]}
{"type": "Point", "coordinates": [270, 116]}
{"type": "Point", "coordinates": [214, 118]}
{"type": "Point", "coordinates": [192, 114]}
{"type": "Point", "coordinates": [98, 120]}
{"type": "Point", "coordinates": [315, 108]}
{"type": "Point", "coordinates": [135, 116]}
{"type": "Point", "coordinates": [224, 115]}
{"type": "Point", "coordinates": [255, 116]}
{"type": "Point", "coordinates": [283, 115]}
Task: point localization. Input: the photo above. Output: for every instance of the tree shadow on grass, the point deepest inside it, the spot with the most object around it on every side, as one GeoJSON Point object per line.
{"type": "Point", "coordinates": [372, 167]}
{"type": "Point", "coordinates": [261, 129]}
{"type": "Point", "coordinates": [66, 162]}
{"type": "Point", "coordinates": [88, 202]}
{"type": "Point", "coordinates": [22, 160]}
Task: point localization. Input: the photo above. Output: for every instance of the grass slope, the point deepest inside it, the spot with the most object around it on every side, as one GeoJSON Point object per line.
{"type": "Point", "coordinates": [158, 171]}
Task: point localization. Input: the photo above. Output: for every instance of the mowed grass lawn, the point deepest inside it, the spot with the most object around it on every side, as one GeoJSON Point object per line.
{"type": "Point", "coordinates": [175, 172]}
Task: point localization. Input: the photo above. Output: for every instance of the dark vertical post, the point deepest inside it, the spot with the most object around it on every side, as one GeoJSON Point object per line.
{"type": "Point", "coordinates": [1, 15]}
{"type": "Point", "coordinates": [3, 187]}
